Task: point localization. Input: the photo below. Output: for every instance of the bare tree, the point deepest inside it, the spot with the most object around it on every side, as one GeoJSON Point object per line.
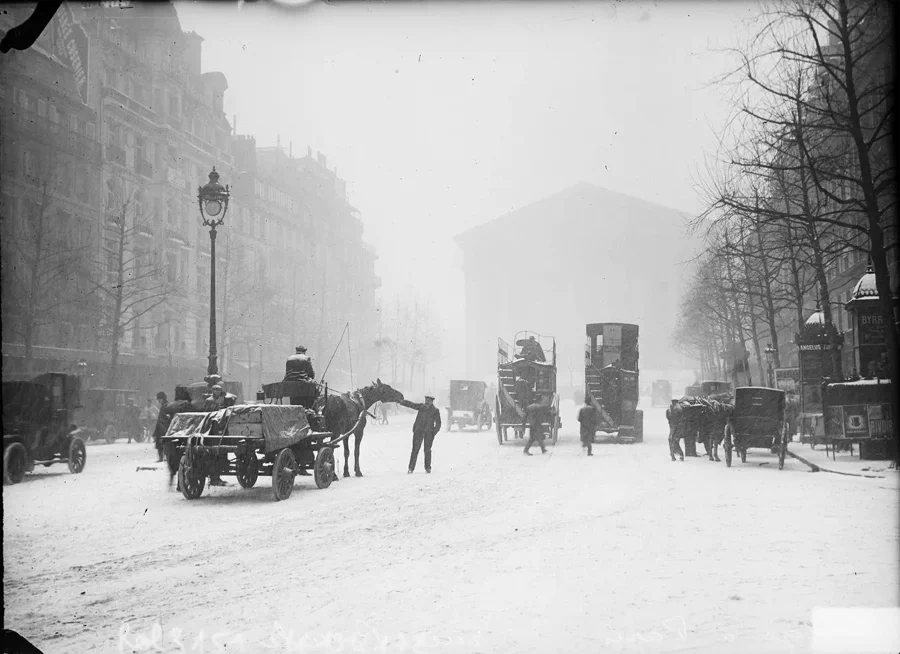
{"type": "Point", "coordinates": [44, 253]}
{"type": "Point", "coordinates": [130, 280]}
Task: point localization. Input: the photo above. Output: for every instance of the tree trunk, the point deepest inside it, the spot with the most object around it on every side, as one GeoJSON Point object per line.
{"type": "Point", "coordinates": [117, 306]}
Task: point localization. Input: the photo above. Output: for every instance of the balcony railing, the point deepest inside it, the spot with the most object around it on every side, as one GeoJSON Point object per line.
{"type": "Point", "coordinates": [133, 105]}
{"type": "Point", "coordinates": [176, 235]}
{"type": "Point", "coordinates": [50, 132]}
{"type": "Point", "coordinates": [115, 154]}
{"type": "Point", "coordinates": [144, 168]}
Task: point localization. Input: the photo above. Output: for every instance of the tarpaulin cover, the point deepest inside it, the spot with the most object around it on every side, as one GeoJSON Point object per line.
{"type": "Point", "coordinates": [282, 425]}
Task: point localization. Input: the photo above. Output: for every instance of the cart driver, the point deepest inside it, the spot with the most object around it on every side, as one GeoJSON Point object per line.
{"type": "Point", "coordinates": [219, 399]}
{"type": "Point", "coordinates": [299, 366]}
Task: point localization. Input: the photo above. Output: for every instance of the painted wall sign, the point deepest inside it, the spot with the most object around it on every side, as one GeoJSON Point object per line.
{"type": "Point", "coordinates": [71, 46]}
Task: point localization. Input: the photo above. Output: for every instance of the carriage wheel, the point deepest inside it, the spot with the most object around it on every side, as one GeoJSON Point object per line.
{"type": "Point", "coordinates": [499, 428]}
{"type": "Point", "coordinates": [247, 470]}
{"type": "Point", "coordinates": [191, 479]}
{"type": "Point", "coordinates": [110, 434]}
{"type": "Point", "coordinates": [77, 455]}
{"type": "Point", "coordinates": [323, 472]}
{"type": "Point", "coordinates": [14, 463]}
{"type": "Point", "coordinates": [283, 473]}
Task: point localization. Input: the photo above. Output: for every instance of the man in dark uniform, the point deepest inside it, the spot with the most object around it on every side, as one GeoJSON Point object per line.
{"type": "Point", "coordinates": [535, 415]}
{"type": "Point", "coordinates": [587, 417]}
{"type": "Point", "coordinates": [181, 404]}
{"type": "Point", "coordinates": [524, 395]}
{"type": "Point", "coordinates": [299, 368]}
{"type": "Point", "coordinates": [163, 401]}
{"type": "Point", "coordinates": [673, 415]}
{"type": "Point", "coordinates": [427, 424]}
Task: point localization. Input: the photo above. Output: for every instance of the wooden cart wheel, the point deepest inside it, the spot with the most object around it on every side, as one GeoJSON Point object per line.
{"type": "Point", "coordinates": [247, 470]}
{"type": "Point", "coordinates": [323, 472]}
{"type": "Point", "coordinates": [14, 463]}
{"type": "Point", "coordinates": [110, 434]}
{"type": "Point", "coordinates": [77, 455]}
{"type": "Point", "coordinates": [782, 451]}
{"type": "Point", "coordinates": [283, 472]}
{"type": "Point", "coordinates": [191, 479]}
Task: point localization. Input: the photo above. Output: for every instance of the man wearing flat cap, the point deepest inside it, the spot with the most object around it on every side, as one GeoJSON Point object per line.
{"type": "Point", "coordinates": [427, 424]}
{"type": "Point", "coordinates": [299, 366]}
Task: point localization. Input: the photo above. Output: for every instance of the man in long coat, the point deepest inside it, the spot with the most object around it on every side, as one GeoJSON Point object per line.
{"type": "Point", "coordinates": [299, 367]}
{"type": "Point", "coordinates": [426, 426]}
{"type": "Point", "coordinates": [535, 415]}
{"type": "Point", "coordinates": [587, 417]}
{"type": "Point", "coordinates": [524, 395]}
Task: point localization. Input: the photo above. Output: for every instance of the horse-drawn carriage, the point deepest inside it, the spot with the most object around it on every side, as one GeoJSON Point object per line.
{"type": "Point", "coordinates": [527, 361]}
{"type": "Point", "coordinates": [757, 421]}
{"type": "Point", "coordinates": [468, 407]}
{"type": "Point", "coordinates": [39, 417]}
{"type": "Point", "coordinates": [106, 414]}
{"type": "Point", "coordinates": [271, 439]}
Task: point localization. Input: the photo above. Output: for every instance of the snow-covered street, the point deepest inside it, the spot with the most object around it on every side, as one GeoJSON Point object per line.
{"type": "Point", "coordinates": [493, 552]}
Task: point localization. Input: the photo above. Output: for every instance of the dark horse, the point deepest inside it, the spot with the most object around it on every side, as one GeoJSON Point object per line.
{"type": "Point", "coordinates": [344, 411]}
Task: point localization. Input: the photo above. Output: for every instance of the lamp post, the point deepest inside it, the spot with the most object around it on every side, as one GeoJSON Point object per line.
{"type": "Point", "coordinates": [770, 358]}
{"type": "Point", "coordinates": [213, 201]}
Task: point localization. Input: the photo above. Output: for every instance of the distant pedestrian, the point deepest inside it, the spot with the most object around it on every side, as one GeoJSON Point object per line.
{"type": "Point", "coordinates": [383, 412]}
{"type": "Point", "coordinates": [133, 420]}
{"type": "Point", "coordinates": [426, 426]}
{"type": "Point", "coordinates": [149, 414]}
{"type": "Point", "coordinates": [587, 417]}
{"type": "Point", "coordinates": [524, 394]}
{"type": "Point", "coordinates": [157, 436]}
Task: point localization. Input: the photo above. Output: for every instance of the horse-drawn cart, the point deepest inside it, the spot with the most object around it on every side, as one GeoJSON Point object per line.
{"type": "Point", "coordinates": [757, 421]}
{"type": "Point", "coordinates": [249, 441]}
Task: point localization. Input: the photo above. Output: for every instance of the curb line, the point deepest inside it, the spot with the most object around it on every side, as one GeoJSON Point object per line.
{"type": "Point", "coordinates": [818, 468]}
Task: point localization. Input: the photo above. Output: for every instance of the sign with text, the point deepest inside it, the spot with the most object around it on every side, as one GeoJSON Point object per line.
{"type": "Point", "coordinates": [71, 46]}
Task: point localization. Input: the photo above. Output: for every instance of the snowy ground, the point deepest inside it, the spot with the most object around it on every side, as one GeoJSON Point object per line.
{"type": "Point", "coordinates": [493, 552]}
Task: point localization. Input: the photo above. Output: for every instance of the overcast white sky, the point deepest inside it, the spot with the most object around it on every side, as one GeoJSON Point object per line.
{"type": "Point", "coordinates": [444, 115]}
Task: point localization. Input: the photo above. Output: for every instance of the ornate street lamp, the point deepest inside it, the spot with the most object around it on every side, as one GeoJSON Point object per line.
{"type": "Point", "coordinates": [213, 201]}
{"type": "Point", "coordinates": [770, 358]}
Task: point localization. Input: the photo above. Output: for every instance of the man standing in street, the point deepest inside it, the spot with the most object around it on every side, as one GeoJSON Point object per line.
{"type": "Point", "coordinates": [427, 424]}
{"type": "Point", "coordinates": [673, 415]}
{"type": "Point", "coordinates": [587, 417]}
{"type": "Point", "coordinates": [535, 415]}
{"type": "Point", "coordinates": [163, 402]}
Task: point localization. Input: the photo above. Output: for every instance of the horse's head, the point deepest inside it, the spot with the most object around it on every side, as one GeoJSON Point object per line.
{"type": "Point", "coordinates": [385, 393]}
